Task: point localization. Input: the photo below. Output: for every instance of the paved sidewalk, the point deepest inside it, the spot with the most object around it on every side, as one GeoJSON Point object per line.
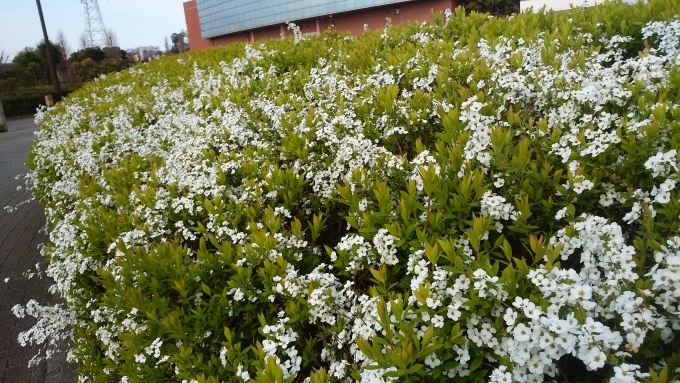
{"type": "Point", "coordinates": [19, 240]}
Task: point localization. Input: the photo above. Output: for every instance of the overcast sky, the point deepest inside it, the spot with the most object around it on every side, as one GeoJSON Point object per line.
{"type": "Point", "coordinates": [135, 22]}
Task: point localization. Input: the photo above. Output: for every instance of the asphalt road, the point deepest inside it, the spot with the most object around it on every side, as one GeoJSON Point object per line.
{"type": "Point", "coordinates": [20, 237]}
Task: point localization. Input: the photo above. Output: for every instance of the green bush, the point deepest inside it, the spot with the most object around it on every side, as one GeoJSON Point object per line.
{"type": "Point", "coordinates": [9, 84]}
{"type": "Point", "coordinates": [25, 102]}
{"type": "Point", "coordinates": [485, 199]}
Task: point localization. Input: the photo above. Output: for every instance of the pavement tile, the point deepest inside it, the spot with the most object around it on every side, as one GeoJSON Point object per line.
{"type": "Point", "coordinates": [20, 237]}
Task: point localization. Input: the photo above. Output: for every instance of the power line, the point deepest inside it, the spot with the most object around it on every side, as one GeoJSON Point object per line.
{"type": "Point", "coordinates": [151, 2]}
{"type": "Point", "coordinates": [56, 2]}
{"type": "Point", "coordinates": [17, 1]}
{"type": "Point", "coordinates": [19, 4]}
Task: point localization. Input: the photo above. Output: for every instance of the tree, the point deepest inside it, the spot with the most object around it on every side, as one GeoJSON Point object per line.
{"type": "Point", "coordinates": [64, 51]}
{"type": "Point", "coordinates": [110, 38]}
{"type": "Point", "coordinates": [89, 63]}
{"type": "Point", "coordinates": [25, 56]}
{"type": "Point", "coordinates": [31, 63]}
{"type": "Point", "coordinates": [84, 70]}
{"type": "Point", "coordinates": [84, 40]}
{"type": "Point", "coordinates": [179, 43]}
{"type": "Point", "coordinates": [494, 7]}
{"type": "Point", "coordinates": [63, 45]}
{"type": "Point", "coordinates": [95, 54]}
{"type": "Point", "coordinates": [3, 57]}
{"type": "Point", "coordinates": [27, 63]}
{"type": "Point", "coordinates": [117, 58]}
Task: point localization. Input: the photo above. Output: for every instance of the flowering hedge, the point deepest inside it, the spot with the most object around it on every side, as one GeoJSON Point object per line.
{"type": "Point", "coordinates": [480, 199]}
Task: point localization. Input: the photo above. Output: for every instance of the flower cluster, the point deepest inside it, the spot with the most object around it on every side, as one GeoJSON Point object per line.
{"type": "Point", "coordinates": [398, 204]}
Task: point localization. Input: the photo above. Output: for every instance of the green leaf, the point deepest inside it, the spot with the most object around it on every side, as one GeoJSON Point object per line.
{"type": "Point", "coordinates": [432, 253]}
{"type": "Point", "coordinates": [476, 362]}
{"type": "Point", "coordinates": [415, 369]}
{"type": "Point", "coordinates": [395, 358]}
{"type": "Point", "coordinates": [380, 274]}
{"type": "Point", "coordinates": [422, 293]}
{"type": "Point", "coordinates": [427, 337]}
{"type": "Point", "coordinates": [365, 348]}
{"type": "Point", "coordinates": [319, 376]}
{"type": "Point", "coordinates": [205, 288]}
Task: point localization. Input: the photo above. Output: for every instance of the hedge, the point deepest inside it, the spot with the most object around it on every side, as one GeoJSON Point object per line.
{"type": "Point", "coordinates": [482, 199]}
{"type": "Point", "coordinates": [18, 105]}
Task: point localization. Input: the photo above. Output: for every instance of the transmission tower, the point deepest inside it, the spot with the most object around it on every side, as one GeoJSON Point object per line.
{"type": "Point", "coordinates": [95, 34]}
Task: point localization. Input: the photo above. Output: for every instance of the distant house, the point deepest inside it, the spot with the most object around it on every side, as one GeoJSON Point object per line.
{"type": "Point", "coordinates": [143, 54]}
{"type": "Point", "coordinates": [218, 22]}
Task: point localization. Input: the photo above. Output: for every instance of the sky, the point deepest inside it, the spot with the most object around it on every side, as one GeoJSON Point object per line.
{"type": "Point", "coordinates": [134, 22]}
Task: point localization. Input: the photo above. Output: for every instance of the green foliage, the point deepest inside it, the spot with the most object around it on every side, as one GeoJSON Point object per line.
{"type": "Point", "coordinates": [493, 7]}
{"type": "Point", "coordinates": [92, 53]}
{"type": "Point", "coordinates": [179, 42]}
{"type": "Point", "coordinates": [89, 63]}
{"type": "Point", "coordinates": [400, 206]}
{"type": "Point", "coordinates": [31, 64]}
{"type": "Point", "coordinates": [25, 101]}
{"type": "Point", "coordinates": [9, 80]}
{"type": "Point", "coordinates": [19, 85]}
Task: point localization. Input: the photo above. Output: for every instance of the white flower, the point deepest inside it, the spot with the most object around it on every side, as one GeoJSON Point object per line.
{"type": "Point", "coordinates": [297, 33]}
{"type": "Point", "coordinates": [510, 317]}
{"type": "Point", "coordinates": [495, 206]}
{"type": "Point", "coordinates": [594, 358]}
{"type": "Point", "coordinates": [522, 333]}
{"type": "Point", "coordinates": [662, 194]}
{"type": "Point", "coordinates": [438, 321]}
{"type": "Point", "coordinates": [432, 361]}
{"type": "Point", "coordinates": [662, 163]}
{"type": "Point", "coordinates": [627, 373]}
{"type": "Point", "coordinates": [580, 292]}
{"type": "Point", "coordinates": [384, 243]}
{"type": "Point", "coordinates": [244, 375]}
{"type": "Point", "coordinates": [500, 375]}
{"type": "Point", "coordinates": [561, 213]}
{"type": "Point", "coordinates": [237, 293]}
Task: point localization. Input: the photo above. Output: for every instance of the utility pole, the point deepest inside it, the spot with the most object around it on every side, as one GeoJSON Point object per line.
{"type": "Point", "coordinates": [3, 121]}
{"type": "Point", "coordinates": [50, 63]}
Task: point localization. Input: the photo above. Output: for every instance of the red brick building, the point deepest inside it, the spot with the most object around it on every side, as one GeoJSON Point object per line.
{"type": "Point", "coordinates": [271, 26]}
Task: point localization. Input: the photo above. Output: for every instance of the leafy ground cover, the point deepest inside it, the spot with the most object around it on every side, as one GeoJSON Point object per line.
{"type": "Point", "coordinates": [484, 199]}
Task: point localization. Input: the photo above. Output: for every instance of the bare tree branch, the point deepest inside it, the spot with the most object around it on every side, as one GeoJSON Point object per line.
{"type": "Point", "coordinates": [84, 41]}
{"type": "Point", "coordinates": [63, 44]}
{"type": "Point", "coordinates": [110, 38]}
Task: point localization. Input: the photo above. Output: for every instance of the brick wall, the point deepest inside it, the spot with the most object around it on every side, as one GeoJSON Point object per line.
{"type": "Point", "coordinates": [417, 11]}
{"type": "Point", "coordinates": [196, 41]}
